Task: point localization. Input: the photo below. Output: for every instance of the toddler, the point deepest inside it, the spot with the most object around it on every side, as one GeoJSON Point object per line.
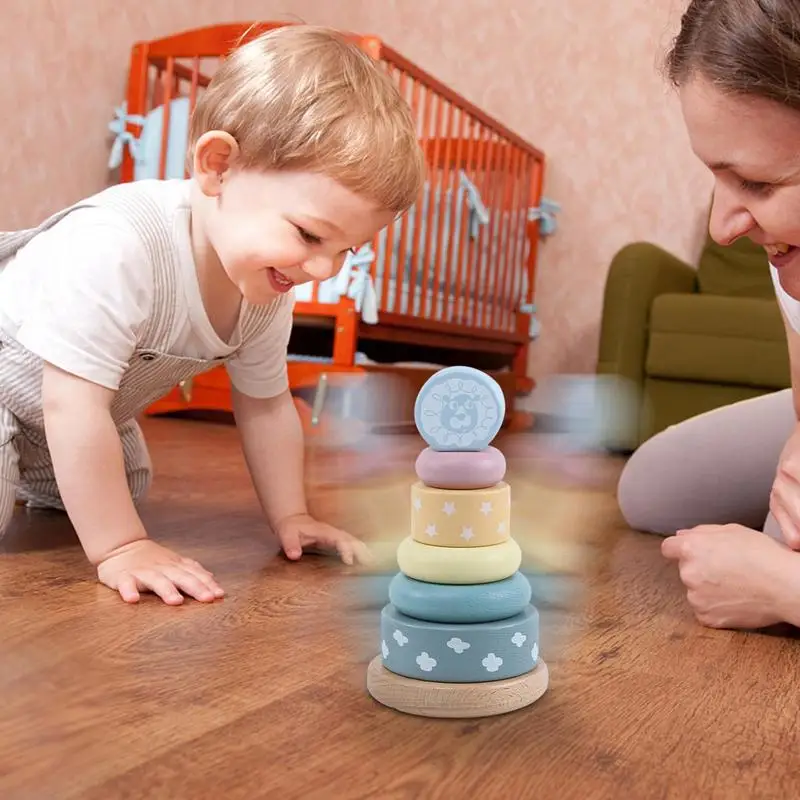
{"type": "Point", "coordinates": [301, 150]}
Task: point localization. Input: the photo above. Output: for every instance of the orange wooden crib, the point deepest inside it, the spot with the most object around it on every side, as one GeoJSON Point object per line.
{"type": "Point", "coordinates": [451, 282]}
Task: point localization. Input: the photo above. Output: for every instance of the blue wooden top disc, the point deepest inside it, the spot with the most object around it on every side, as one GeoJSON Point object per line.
{"type": "Point", "coordinates": [459, 408]}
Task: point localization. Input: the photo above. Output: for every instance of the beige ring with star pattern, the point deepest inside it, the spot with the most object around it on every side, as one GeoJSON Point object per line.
{"type": "Point", "coordinates": [461, 517]}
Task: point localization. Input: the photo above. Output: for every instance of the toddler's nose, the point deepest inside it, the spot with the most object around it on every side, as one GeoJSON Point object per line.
{"type": "Point", "coordinates": [320, 268]}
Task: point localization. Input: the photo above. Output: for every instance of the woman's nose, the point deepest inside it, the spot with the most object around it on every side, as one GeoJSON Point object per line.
{"type": "Point", "coordinates": [730, 219]}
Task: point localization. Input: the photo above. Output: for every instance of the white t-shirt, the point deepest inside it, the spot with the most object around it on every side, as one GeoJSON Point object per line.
{"type": "Point", "coordinates": [790, 306]}
{"type": "Point", "coordinates": [79, 293]}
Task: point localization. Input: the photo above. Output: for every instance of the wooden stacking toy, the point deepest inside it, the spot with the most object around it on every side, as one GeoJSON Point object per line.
{"type": "Point", "coordinates": [459, 636]}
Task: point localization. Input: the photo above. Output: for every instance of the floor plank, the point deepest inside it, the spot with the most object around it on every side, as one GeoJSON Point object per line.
{"type": "Point", "coordinates": [262, 694]}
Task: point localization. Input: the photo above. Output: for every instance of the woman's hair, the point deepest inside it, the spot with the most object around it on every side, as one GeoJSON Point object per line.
{"type": "Point", "coordinates": [742, 47]}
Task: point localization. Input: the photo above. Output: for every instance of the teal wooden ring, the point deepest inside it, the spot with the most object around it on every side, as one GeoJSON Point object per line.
{"type": "Point", "coordinates": [465, 603]}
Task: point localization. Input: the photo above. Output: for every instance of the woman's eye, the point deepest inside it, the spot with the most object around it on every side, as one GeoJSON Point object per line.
{"type": "Point", "coordinates": [755, 187]}
{"type": "Point", "coordinates": [308, 237]}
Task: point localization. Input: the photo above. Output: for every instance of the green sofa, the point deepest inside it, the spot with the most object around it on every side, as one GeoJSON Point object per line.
{"type": "Point", "coordinates": [690, 340]}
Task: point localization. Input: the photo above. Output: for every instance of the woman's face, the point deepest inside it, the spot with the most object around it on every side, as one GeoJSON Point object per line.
{"type": "Point", "coordinates": [752, 147]}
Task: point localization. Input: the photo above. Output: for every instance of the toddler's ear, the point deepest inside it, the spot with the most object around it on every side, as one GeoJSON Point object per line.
{"type": "Point", "coordinates": [214, 154]}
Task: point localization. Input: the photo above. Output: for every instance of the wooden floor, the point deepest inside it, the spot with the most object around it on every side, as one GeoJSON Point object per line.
{"type": "Point", "coordinates": [262, 694]}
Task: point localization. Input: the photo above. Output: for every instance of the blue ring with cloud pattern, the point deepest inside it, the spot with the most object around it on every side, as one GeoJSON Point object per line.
{"type": "Point", "coordinates": [453, 653]}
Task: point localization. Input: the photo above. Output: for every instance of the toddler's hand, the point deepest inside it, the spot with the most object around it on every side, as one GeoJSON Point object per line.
{"type": "Point", "coordinates": [302, 530]}
{"type": "Point", "coordinates": [144, 565]}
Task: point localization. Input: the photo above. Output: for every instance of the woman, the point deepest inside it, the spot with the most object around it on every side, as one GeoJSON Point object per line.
{"type": "Point", "coordinates": [722, 480]}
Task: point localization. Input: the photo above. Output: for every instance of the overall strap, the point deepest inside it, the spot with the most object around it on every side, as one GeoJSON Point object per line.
{"type": "Point", "coordinates": [147, 218]}
{"type": "Point", "coordinates": [11, 242]}
{"type": "Point", "coordinates": [258, 318]}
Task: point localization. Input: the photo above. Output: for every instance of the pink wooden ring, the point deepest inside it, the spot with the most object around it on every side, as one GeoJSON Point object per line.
{"type": "Point", "coordinates": [461, 470]}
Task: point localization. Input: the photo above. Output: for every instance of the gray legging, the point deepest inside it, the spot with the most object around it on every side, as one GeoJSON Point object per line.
{"type": "Point", "coordinates": [715, 468]}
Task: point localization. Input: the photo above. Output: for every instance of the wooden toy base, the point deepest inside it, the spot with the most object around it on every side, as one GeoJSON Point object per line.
{"type": "Point", "coordinates": [455, 700]}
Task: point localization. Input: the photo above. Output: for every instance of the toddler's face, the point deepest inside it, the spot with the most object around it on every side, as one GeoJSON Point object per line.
{"type": "Point", "coordinates": [751, 146]}
{"type": "Point", "coordinates": [274, 230]}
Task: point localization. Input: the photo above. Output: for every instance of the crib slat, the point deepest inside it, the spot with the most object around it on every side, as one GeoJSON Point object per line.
{"type": "Point", "coordinates": [182, 72]}
{"type": "Point", "coordinates": [505, 264]}
{"type": "Point", "coordinates": [438, 205]}
{"type": "Point", "coordinates": [435, 184]}
{"type": "Point", "coordinates": [487, 270]}
{"type": "Point", "coordinates": [388, 258]}
{"type": "Point", "coordinates": [136, 102]}
{"type": "Point", "coordinates": [194, 82]}
{"type": "Point", "coordinates": [418, 252]}
{"type": "Point", "coordinates": [406, 298]}
{"type": "Point", "coordinates": [457, 289]}
{"type": "Point", "coordinates": [167, 84]}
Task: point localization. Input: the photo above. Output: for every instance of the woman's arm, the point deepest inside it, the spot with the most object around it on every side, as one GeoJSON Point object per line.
{"type": "Point", "coordinates": [793, 342]}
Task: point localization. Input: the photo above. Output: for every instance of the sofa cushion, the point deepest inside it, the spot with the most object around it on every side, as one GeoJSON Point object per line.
{"type": "Point", "coordinates": [728, 340]}
{"type": "Point", "coordinates": [737, 270]}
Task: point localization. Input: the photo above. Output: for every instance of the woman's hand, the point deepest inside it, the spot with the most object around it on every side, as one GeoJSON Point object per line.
{"type": "Point", "coordinates": [735, 577]}
{"type": "Point", "coordinates": [784, 501]}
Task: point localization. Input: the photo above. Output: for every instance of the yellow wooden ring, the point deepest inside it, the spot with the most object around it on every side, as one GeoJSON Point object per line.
{"type": "Point", "coordinates": [461, 517]}
{"type": "Point", "coordinates": [458, 565]}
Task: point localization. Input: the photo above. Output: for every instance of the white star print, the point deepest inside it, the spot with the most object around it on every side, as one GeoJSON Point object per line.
{"type": "Point", "coordinates": [431, 530]}
{"type": "Point", "coordinates": [449, 508]}
{"type": "Point", "coordinates": [417, 503]}
{"type": "Point", "coordinates": [501, 528]}
{"type": "Point", "coordinates": [486, 508]}
{"type": "Point", "coordinates": [467, 534]}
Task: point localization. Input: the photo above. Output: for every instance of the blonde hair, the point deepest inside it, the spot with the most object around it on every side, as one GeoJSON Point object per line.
{"type": "Point", "coordinates": [303, 97]}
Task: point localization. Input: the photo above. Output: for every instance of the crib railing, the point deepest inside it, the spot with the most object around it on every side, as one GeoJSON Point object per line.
{"type": "Point", "coordinates": [472, 263]}
{"type": "Point", "coordinates": [462, 262]}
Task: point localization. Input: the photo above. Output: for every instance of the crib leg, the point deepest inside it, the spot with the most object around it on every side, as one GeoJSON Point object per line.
{"type": "Point", "coordinates": [320, 394]}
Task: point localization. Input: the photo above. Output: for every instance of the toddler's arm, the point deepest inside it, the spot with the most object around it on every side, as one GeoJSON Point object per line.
{"type": "Point", "coordinates": [89, 468]}
{"type": "Point", "coordinates": [88, 463]}
{"type": "Point", "coordinates": [272, 438]}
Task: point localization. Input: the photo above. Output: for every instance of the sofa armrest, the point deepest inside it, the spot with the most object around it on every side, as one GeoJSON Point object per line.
{"type": "Point", "coordinates": [638, 274]}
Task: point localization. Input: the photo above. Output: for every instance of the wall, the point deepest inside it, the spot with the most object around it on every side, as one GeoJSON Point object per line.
{"type": "Point", "coordinates": [578, 79]}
